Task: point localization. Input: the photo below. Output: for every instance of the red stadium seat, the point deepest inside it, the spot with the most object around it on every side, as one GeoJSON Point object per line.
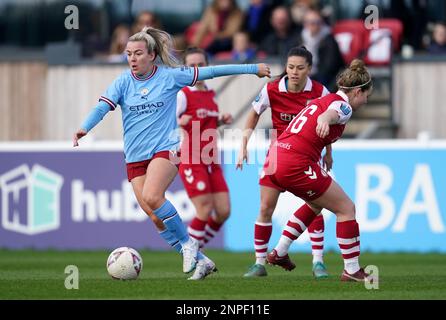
{"type": "Point", "coordinates": [350, 36]}
{"type": "Point", "coordinates": [382, 42]}
{"type": "Point", "coordinates": [190, 33]}
{"type": "Point", "coordinates": [375, 46]}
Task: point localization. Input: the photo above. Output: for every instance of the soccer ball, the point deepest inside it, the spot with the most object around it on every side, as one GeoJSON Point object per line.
{"type": "Point", "coordinates": [124, 263]}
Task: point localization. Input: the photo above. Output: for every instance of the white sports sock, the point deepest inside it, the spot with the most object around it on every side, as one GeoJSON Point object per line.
{"type": "Point", "coordinates": [283, 246]}
{"type": "Point", "coordinates": [318, 258]}
{"type": "Point", "coordinates": [261, 261]}
{"type": "Point", "coordinates": [351, 265]}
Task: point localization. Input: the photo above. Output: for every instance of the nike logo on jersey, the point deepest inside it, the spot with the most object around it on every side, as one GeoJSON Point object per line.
{"type": "Point", "coordinates": [311, 174]}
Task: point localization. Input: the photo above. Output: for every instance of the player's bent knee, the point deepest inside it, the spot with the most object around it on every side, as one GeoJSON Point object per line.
{"type": "Point", "coordinates": [153, 201]}
{"type": "Point", "coordinates": [347, 211]}
{"type": "Point", "coordinates": [223, 214]}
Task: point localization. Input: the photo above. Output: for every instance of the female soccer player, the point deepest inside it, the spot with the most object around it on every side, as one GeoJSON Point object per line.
{"type": "Point", "coordinates": [286, 96]}
{"type": "Point", "coordinates": [147, 96]}
{"type": "Point", "coordinates": [200, 171]}
{"type": "Point", "coordinates": [296, 154]}
{"type": "Point", "coordinates": [198, 115]}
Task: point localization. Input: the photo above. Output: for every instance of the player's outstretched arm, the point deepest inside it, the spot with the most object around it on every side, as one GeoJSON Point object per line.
{"type": "Point", "coordinates": [95, 116]}
{"type": "Point", "coordinates": [261, 70]}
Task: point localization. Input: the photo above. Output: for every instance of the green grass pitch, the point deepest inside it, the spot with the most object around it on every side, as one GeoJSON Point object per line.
{"type": "Point", "coordinates": [28, 274]}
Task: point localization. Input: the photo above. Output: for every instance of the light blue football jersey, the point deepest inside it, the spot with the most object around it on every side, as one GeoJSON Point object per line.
{"type": "Point", "coordinates": [148, 108]}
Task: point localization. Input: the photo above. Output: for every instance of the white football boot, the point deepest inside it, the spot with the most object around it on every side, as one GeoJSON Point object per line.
{"type": "Point", "coordinates": [190, 252]}
{"type": "Point", "coordinates": [204, 268]}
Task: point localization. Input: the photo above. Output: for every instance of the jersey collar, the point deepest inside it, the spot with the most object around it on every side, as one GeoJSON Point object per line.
{"type": "Point", "coordinates": [343, 95]}
{"type": "Point", "coordinates": [282, 84]}
{"type": "Point", "coordinates": [147, 77]}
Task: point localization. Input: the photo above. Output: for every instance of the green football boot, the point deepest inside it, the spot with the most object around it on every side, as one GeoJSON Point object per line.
{"type": "Point", "coordinates": [319, 270]}
{"type": "Point", "coordinates": [256, 270]}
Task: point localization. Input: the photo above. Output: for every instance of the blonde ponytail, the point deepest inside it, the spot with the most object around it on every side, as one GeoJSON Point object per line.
{"type": "Point", "coordinates": [158, 41]}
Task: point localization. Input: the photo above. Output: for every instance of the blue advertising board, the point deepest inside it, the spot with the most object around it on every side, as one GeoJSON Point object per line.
{"type": "Point", "coordinates": [54, 196]}
{"type": "Point", "coordinates": [398, 189]}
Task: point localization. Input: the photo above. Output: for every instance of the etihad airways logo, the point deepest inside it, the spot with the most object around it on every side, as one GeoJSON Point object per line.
{"type": "Point", "coordinates": [147, 108]}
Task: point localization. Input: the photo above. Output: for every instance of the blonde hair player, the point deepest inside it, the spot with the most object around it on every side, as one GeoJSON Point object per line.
{"type": "Point", "coordinates": [147, 95]}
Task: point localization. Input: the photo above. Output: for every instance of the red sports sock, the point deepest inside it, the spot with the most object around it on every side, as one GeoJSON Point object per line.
{"type": "Point", "coordinates": [316, 233]}
{"type": "Point", "coordinates": [196, 229]}
{"type": "Point", "coordinates": [347, 233]}
{"type": "Point", "coordinates": [211, 229]}
{"type": "Point", "coordinates": [298, 222]}
{"type": "Point", "coordinates": [262, 234]}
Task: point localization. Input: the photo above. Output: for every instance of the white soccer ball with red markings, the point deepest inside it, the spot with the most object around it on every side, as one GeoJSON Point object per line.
{"type": "Point", "coordinates": [124, 264]}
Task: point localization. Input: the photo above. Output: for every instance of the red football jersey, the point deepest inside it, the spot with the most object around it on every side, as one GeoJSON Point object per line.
{"type": "Point", "coordinates": [204, 111]}
{"type": "Point", "coordinates": [301, 136]}
{"type": "Point", "coordinates": [286, 105]}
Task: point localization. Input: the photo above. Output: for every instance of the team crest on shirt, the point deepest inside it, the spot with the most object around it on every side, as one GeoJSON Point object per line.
{"type": "Point", "coordinates": [144, 92]}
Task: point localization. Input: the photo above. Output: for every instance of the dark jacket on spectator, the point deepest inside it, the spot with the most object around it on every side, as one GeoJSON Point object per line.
{"type": "Point", "coordinates": [330, 61]}
{"type": "Point", "coordinates": [435, 48]}
{"type": "Point", "coordinates": [272, 45]}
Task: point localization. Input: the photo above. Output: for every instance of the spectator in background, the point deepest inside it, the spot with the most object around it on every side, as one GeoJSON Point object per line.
{"type": "Point", "coordinates": [327, 58]}
{"type": "Point", "coordinates": [222, 19]}
{"type": "Point", "coordinates": [242, 49]}
{"type": "Point", "coordinates": [257, 17]}
{"type": "Point", "coordinates": [299, 8]}
{"type": "Point", "coordinates": [119, 39]}
{"type": "Point", "coordinates": [146, 19]}
{"type": "Point", "coordinates": [284, 35]}
{"type": "Point", "coordinates": [438, 44]}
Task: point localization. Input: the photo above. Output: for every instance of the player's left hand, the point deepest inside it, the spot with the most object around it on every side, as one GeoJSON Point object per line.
{"type": "Point", "coordinates": [327, 161]}
{"type": "Point", "coordinates": [263, 70]}
{"type": "Point", "coordinates": [226, 118]}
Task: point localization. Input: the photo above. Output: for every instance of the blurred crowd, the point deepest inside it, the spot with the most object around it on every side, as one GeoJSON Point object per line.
{"type": "Point", "coordinates": [269, 28]}
{"type": "Point", "coordinates": [262, 29]}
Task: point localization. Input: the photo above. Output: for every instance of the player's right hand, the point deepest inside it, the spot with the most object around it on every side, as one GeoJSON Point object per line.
{"type": "Point", "coordinates": [78, 135]}
{"type": "Point", "coordinates": [263, 70]}
{"type": "Point", "coordinates": [322, 129]}
{"type": "Point", "coordinates": [184, 120]}
{"type": "Point", "coordinates": [242, 157]}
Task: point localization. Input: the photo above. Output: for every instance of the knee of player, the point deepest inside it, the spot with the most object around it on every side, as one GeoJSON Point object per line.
{"type": "Point", "coordinates": [153, 201]}
{"type": "Point", "coordinates": [205, 207]}
{"type": "Point", "coordinates": [223, 213]}
{"type": "Point", "coordinates": [349, 210]}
